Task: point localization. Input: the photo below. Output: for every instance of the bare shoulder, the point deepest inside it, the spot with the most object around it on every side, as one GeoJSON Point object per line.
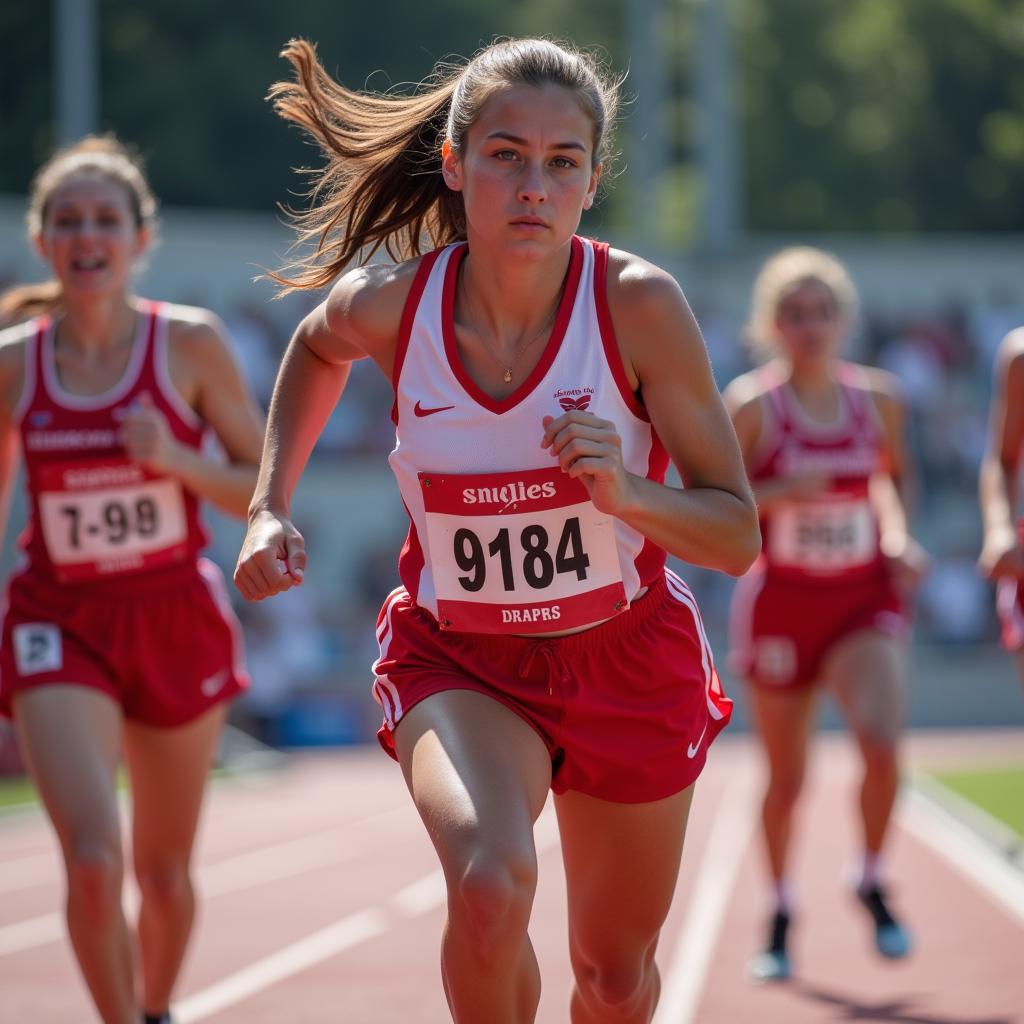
{"type": "Point", "coordinates": [13, 343]}
{"type": "Point", "coordinates": [744, 392]}
{"type": "Point", "coordinates": [194, 331]}
{"type": "Point", "coordinates": [883, 387]}
{"type": "Point", "coordinates": [365, 304]}
{"type": "Point", "coordinates": [1010, 357]}
{"type": "Point", "coordinates": [640, 289]}
{"type": "Point", "coordinates": [14, 339]}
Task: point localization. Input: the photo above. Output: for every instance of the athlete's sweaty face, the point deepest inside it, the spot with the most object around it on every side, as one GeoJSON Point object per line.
{"type": "Point", "coordinates": [90, 236]}
{"type": "Point", "coordinates": [526, 171]}
{"type": "Point", "coordinates": [809, 326]}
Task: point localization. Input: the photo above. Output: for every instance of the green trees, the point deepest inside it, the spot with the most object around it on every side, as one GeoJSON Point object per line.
{"type": "Point", "coordinates": [868, 116]}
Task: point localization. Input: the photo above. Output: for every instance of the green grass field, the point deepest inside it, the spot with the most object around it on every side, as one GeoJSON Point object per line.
{"type": "Point", "coordinates": [999, 791]}
{"type": "Point", "coordinates": [16, 791]}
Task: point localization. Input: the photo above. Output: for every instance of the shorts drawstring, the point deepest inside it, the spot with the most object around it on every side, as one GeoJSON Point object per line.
{"type": "Point", "coordinates": [548, 650]}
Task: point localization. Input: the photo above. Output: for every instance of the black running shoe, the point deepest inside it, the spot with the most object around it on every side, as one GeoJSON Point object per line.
{"type": "Point", "coordinates": [773, 964]}
{"type": "Point", "coordinates": [891, 939]}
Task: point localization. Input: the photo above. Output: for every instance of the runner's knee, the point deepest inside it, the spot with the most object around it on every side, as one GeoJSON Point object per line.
{"type": "Point", "coordinates": [493, 896]}
{"type": "Point", "coordinates": [164, 886]}
{"type": "Point", "coordinates": [95, 871]}
{"type": "Point", "coordinates": [615, 983]}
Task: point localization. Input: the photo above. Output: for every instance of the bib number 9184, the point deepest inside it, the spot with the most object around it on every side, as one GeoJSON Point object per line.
{"type": "Point", "coordinates": [519, 552]}
{"type": "Point", "coordinates": [537, 564]}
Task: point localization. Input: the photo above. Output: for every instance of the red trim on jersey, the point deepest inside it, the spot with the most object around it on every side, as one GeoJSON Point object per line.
{"type": "Point", "coordinates": [565, 309]}
{"type": "Point", "coordinates": [38, 380]}
{"type": "Point", "coordinates": [412, 303]}
{"type": "Point", "coordinates": [650, 562]}
{"type": "Point", "coordinates": [410, 559]}
{"type": "Point", "coordinates": [608, 339]}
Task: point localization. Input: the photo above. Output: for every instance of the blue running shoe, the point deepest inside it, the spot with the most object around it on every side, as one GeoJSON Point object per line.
{"type": "Point", "coordinates": [891, 939]}
{"type": "Point", "coordinates": [773, 964]}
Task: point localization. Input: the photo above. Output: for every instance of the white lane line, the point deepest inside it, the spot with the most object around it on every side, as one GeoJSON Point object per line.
{"type": "Point", "coordinates": [315, 948]}
{"type": "Point", "coordinates": [293, 856]}
{"type": "Point", "coordinates": [33, 931]}
{"type": "Point", "coordinates": [27, 872]}
{"type": "Point", "coordinates": [961, 847]}
{"type": "Point", "coordinates": [244, 871]}
{"type": "Point", "coordinates": [1003, 839]}
{"type": "Point", "coordinates": [420, 897]}
{"type": "Point", "coordinates": [732, 827]}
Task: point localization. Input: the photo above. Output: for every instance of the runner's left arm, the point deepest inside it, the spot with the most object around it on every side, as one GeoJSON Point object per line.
{"type": "Point", "coordinates": [712, 521]}
{"type": "Point", "coordinates": [890, 489]}
{"type": "Point", "coordinates": [223, 402]}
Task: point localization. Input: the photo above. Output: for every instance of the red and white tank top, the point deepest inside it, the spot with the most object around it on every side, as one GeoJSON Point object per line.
{"type": "Point", "coordinates": [833, 535]}
{"type": "Point", "coordinates": [94, 514]}
{"type": "Point", "coordinates": [500, 540]}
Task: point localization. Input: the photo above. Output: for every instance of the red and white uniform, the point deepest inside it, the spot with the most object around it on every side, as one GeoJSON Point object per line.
{"type": "Point", "coordinates": [502, 543]}
{"type": "Point", "coordinates": [1010, 606]}
{"type": "Point", "coordinates": [104, 534]}
{"type": "Point", "coordinates": [466, 461]}
{"type": "Point", "coordinates": [821, 575]}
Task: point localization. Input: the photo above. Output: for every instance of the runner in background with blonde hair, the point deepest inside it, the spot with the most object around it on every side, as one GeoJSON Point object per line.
{"type": "Point", "coordinates": [118, 638]}
{"type": "Point", "coordinates": [1002, 554]}
{"type": "Point", "coordinates": [825, 605]}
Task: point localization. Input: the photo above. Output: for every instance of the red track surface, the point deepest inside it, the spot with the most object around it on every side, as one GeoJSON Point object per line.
{"type": "Point", "coordinates": [307, 913]}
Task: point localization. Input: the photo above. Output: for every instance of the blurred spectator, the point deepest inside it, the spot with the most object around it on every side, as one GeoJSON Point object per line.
{"type": "Point", "coordinates": [257, 347]}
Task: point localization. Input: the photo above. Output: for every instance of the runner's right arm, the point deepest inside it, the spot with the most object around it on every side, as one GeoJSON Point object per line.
{"type": "Point", "coordinates": [12, 379]}
{"type": "Point", "coordinates": [1001, 553]}
{"type": "Point", "coordinates": [359, 319]}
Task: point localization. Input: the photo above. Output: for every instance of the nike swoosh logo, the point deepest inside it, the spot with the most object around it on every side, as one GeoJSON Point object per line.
{"type": "Point", "coordinates": [691, 750]}
{"type": "Point", "coordinates": [212, 685]}
{"type": "Point", "coordinates": [420, 411]}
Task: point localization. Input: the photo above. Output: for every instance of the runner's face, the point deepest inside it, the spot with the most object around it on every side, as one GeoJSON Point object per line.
{"type": "Point", "coordinates": [90, 237]}
{"type": "Point", "coordinates": [526, 171]}
{"type": "Point", "coordinates": [808, 324]}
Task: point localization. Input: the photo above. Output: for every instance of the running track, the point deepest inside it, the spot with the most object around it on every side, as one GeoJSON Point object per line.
{"type": "Point", "coordinates": [321, 902]}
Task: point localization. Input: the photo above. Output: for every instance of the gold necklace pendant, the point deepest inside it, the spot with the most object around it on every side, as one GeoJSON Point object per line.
{"type": "Point", "coordinates": [508, 374]}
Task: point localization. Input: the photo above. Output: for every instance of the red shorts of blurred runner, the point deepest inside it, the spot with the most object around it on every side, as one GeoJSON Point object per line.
{"type": "Point", "coordinates": [781, 630]}
{"type": "Point", "coordinates": [165, 645]}
{"type": "Point", "coordinates": [627, 709]}
{"type": "Point", "coordinates": [1010, 607]}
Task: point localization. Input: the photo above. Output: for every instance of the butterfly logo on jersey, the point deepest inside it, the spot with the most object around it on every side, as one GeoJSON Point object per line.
{"type": "Point", "coordinates": [574, 399]}
{"type": "Point", "coordinates": [569, 404]}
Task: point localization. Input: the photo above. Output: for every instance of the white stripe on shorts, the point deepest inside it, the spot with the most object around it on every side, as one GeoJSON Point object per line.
{"type": "Point", "coordinates": [682, 593]}
{"type": "Point", "coordinates": [384, 691]}
{"type": "Point", "coordinates": [214, 580]}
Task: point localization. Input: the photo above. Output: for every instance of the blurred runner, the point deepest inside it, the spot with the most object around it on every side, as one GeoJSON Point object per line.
{"type": "Point", "coordinates": [825, 604]}
{"type": "Point", "coordinates": [118, 638]}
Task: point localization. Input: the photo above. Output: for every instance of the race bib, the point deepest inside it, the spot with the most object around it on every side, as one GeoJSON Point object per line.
{"type": "Point", "coordinates": [107, 517]}
{"type": "Point", "coordinates": [519, 552]}
{"type": "Point", "coordinates": [824, 536]}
